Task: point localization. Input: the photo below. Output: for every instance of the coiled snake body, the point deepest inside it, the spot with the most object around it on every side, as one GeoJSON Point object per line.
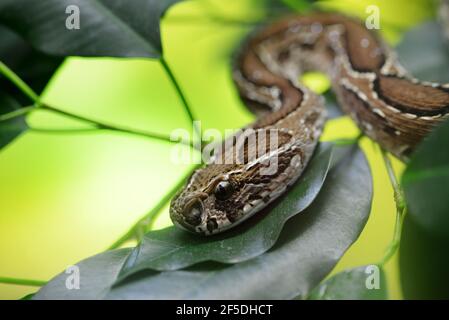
{"type": "Point", "coordinates": [387, 104]}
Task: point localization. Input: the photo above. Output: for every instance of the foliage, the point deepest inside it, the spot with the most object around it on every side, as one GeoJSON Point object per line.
{"type": "Point", "coordinates": [280, 254]}
{"type": "Point", "coordinates": [333, 221]}
{"type": "Point", "coordinates": [352, 285]}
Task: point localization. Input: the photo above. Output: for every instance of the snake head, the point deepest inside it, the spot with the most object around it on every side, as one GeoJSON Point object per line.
{"type": "Point", "coordinates": [208, 202]}
{"type": "Point", "coordinates": [226, 192]}
{"type": "Point", "coordinates": [219, 197]}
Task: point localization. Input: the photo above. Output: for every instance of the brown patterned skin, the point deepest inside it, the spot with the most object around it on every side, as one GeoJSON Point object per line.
{"type": "Point", "coordinates": [388, 105]}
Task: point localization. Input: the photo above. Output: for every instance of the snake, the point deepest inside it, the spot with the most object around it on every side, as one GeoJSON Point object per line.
{"type": "Point", "coordinates": [386, 102]}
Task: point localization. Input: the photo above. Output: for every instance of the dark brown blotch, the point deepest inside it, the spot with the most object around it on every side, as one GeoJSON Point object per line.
{"type": "Point", "coordinates": [413, 98]}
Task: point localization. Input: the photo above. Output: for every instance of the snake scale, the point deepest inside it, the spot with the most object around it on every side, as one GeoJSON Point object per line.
{"type": "Point", "coordinates": [388, 105]}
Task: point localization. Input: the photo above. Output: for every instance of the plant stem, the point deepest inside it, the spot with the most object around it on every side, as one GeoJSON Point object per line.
{"type": "Point", "coordinates": [180, 94]}
{"type": "Point", "coordinates": [63, 131]}
{"type": "Point", "coordinates": [400, 211]}
{"type": "Point", "coordinates": [398, 194]}
{"type": "Point", "coordinates": [17, 113]}
{"type": "Point", "coordinates": [19, 83]}
{"type": "Point", "coordinates": [395, 242]}
{"type": "Point", "coordinates": [145, 223]}
{"type": "Point", "coordinates": [22, 282]}
{"type": "Point", "coordinates": [105, 126]}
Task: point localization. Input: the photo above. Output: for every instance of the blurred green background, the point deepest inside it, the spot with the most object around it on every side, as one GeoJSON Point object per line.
{"type": "Point", "coordinates": [64, 197]}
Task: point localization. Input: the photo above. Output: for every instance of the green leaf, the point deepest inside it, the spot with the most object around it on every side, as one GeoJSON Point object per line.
{"type": "Point", "coordinates": [307, 250]}
{"type": "Point", "coordinates": [423, 53]}
{"type": "Point", "coordinates": [362, 283]}
{"type": "Point", "coordinates": [112, 28]}
{"type": "Point", "coordinates": [11, 128]}
{"type": "Point", "coordinates": [425, 182]}
{"type": "Point", "coordinates": [118, 28]}
{"type": "Point", "coordinates": [425, 236]}
{"type": "Point", "coordinates": [423, 262]}
{"type": "Point", "coordinates": [172, 248]}
{"type": "Point", "coordinates": [96, 276]}
{"type": "Point", "coordinates": [31, 66]}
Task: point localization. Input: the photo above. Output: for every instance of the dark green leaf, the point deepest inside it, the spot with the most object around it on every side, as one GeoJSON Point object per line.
{"type": "Point", "coordinates": [362, 283]}
{"type": "Point", "coordinates": [423, 262]}
{"type": "Point", "coordinates": [96, 276]}
{"type": "Point", "coordinates": [426, 181]}
{"type": "Point", "coordinates": [172, 248]}
{"type": "Point", "coordinates": [119, 28]}
{"type": "Point", "coordinates": [425, 236]}
{"type": "Point", "coordinates": [308, 248]}
{"type": "Point", "coordinates": [31, 66]}
{"type": "Point", "coordinates": [423, 53]}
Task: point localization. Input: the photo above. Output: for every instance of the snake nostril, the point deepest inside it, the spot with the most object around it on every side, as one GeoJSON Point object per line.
{"type": "Point", "coordinates": [194, 214]}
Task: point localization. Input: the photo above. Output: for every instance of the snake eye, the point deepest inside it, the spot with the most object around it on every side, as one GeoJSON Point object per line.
{"type": "Point", "coordinates": [194, 215]}
{"type": "Point", "coordinates": [223, 190]}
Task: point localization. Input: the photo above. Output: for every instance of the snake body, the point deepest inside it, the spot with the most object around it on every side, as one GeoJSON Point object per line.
{"type": "Point", "coordinates": [388, 105]}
